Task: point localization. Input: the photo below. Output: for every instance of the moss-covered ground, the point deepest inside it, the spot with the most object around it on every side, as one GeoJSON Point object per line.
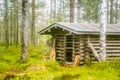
{"type": "Point", "coordinates": [13, 68]}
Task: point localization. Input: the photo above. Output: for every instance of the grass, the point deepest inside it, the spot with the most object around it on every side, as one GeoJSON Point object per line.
{"type": "Point", "coordinates": [12, 68]}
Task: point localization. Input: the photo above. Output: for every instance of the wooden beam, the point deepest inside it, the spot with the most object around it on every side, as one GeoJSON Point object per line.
{"type": "Point", "coordinates": [94, 51]}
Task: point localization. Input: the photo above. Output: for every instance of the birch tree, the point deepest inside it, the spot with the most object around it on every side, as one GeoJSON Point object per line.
{"type": "Point", "coordinates": [24, 31]}
{"type": "Point", "coordinates": [103, 25]}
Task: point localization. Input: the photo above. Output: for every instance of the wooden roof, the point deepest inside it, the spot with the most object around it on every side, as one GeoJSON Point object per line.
{"type": "Point", "coordinates": [83, 28]}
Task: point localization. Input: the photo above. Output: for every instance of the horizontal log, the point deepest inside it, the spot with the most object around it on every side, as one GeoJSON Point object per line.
{"type": "Point", "coordinates": [109, 47]}
{"type": "Point", "coordinates": [113, 58]}
{"type": "Point", "coordinates": [117, 55]}
{"type": "Point", "coordinates": [110, 50]}
{"type": "Point", "coordinates": [113, 51]}
{"type": "Point", "coordinates": [113, 44]}
{"type": "Point", "coordinates": [62, 58]}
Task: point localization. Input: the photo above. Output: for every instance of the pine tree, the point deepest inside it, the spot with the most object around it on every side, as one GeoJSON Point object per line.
{"type": "Point", "coordinates": [24, 31]}
{"type": "Point", "coordinates": [33, 36]}
{"type": "Point", "coordinates": [6, 23]}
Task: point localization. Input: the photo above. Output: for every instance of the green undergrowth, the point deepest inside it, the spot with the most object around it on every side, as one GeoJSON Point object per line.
{"type": "Point", "coordinates": [12, 68]}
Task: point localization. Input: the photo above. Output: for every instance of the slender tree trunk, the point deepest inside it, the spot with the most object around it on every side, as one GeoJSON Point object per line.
{"type": "Point", "coordinates": [63, 12]}
{"type": "Point", "coordinates": [24, 31]}
{"type": "Point", "coordinates": [33, 36]}
{"type": "Point", "coordinates": [11, 27]}
{"type": "Point", "coordinates": [17, 24]}
{"type": "Point", "coordinates": [103, 25]}
{"type": "Point", "coordinates": [0, 31]}
{"type": "Point", "coordinates": [51, 10]}
{"type": "Point", "coordinates": [72, 10]}
{"type": "Point", "coordinates": [14, 22]}
{"type": "Point", "coordinates": [6, 23]}
{"type": "Point", "coordinates": [111, 11]}
{"type": "Point", "coordinates": [78, 10]}
{"type": "Point", "coordinates": [88, 11]}
{"type": "Point", "coordinates": [54, 10]}
{"type": "Point", "coordinates": [116, 17]}
{"type": "Point", "coordinates": [60, 11]}
{"type": "Point", "coordinates": [97, 11]}
{"type": "Point", "coordinates": [108, 11]}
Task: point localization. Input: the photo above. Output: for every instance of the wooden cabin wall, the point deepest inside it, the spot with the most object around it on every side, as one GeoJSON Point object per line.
{"type": "Point", "coordinates": [80, 47]}
{"type": "Point", "coordinates": [60, 47]}
{"type": "Point", "coordinates": [112, 46]}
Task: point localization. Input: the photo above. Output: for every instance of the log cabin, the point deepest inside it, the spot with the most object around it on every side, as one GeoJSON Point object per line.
{"type": "Point", "coordinates": [73, 39]}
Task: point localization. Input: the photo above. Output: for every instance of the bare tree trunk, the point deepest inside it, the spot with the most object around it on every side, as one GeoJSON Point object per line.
{"type": "Point", "coordinates": [63, 12]}
{"type": "Point", "coordinates": [72, 10]}
{"type": "Point", "coordinates": [78, 10]}
{"type": "Point", "coordinates": [108, 12]}
{"type": "Point", "coordinates": [54, 10]}
{"type": "Point", "coordinates": [11, 26]}
{"type": "Point", "coordinates": [6, 23]}
{"type": "Point", "coordinates": [14, 22]}
{"type": "Point", "coordinates": [116, 17]}
{"type": "Point", "coordinates": [60, 11]}
{"type": "Point", "coordinates": [103, 25]}
{"type": "Point", "coordinates": [111, 11]}
{"type": "Point", "coordinates": [51, 10]}
{"type": "Point", "coordinates": [97, 11]}
{"type": "Point", "coordinates": [24, 31]}
{"type": "Point", "coordinates": [17, 24]}
{"type": "Point", "coordinates": [0, 31]}
{"type": "Point", "coordinates": [33, 36]}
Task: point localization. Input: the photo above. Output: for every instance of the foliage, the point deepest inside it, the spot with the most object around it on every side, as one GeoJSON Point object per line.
{"type": "Point", "coordinates": [11, 67]}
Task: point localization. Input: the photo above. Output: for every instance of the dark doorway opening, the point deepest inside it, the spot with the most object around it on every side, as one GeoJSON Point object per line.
{"type": "Point", "coordinates": [69, 48]}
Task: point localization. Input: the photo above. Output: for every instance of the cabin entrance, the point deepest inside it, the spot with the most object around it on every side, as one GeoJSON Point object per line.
{"type": "Point", "coordinates": [69, 48]}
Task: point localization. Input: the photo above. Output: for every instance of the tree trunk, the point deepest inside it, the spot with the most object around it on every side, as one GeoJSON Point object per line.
{"type": "Point", "coordinates": [116, 17]}
{"type": "Point", "coordinates": [51, 10]}
{"type": "Point", "coordinates": [17, 24]}
{"type": "Point", "coordinates": [78, 10]}
{"type": "Point", "coordinates": [60, 11]}
{"type": "Point", "coordinates": [111, 11]}
{"type": "Point", "coordinates": [63, 12]}
{"type": "Point", "coordinates": [103, 25]}
{"type": "Point", "coordinates": [24, 31]}
{"type": "Point", "coordinates": [33, 23]}
{"type": "Point", "coordinates": [14, 22]}
{"type": "Point", "coordinates": [6, 23]}
{"type": "Point", "coordinates": [97, 11]}
{"type": "Point", "coordinates": [72, 10]}
{"type": "Point", "coordinates": [54, 10]}
{"type": "Point", "coordinates": [108, 11]}
{"type": "Point", "coordinates": [0, 31]}
{"type": "Point", "coordinates": [11, 26]}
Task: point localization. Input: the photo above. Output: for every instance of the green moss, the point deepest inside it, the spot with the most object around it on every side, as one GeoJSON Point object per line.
{"type": "Point", "coordinates": [37, 69]}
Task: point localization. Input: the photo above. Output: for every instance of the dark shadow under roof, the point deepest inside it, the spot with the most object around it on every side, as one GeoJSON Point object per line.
{"type": "Point", "coordinates": [83, 28]}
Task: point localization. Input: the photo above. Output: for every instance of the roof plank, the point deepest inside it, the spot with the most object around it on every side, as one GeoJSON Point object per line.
{"type": "Point", "coordinates": [83, 28]}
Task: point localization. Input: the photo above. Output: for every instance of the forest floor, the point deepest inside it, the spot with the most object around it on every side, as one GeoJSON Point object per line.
{"type": "Point", "coordinates": [12, 68]}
